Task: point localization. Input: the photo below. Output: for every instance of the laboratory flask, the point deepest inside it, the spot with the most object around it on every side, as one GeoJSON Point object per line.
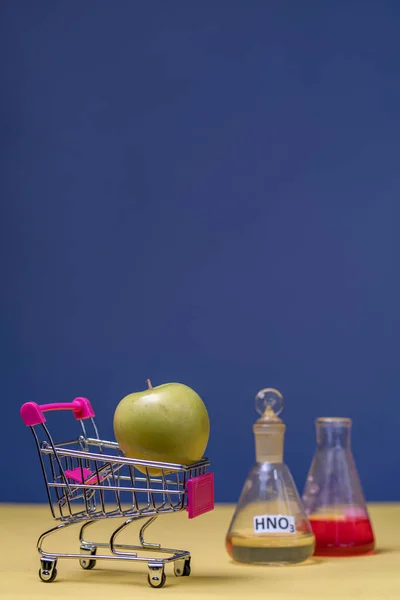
{"type": "Point", "coordinates": [269, 525]}
{"type": "Point", "coordinates": [333, 495]}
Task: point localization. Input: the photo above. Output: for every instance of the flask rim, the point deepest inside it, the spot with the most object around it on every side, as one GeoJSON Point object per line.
{"type": "Point", "coordinates": [333, 421]}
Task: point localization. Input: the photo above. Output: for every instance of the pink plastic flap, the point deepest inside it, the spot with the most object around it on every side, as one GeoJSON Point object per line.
{"type": "Point", "coordinates": [200, 495]}
{"type": "Point", "coordinates": [76, 474]}
{"type": "Point", "coordinates": [89, 477]}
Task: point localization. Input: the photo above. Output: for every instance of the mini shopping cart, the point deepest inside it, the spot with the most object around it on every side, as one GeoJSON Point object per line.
{"type": "Point", "coordinates": [89, 479]}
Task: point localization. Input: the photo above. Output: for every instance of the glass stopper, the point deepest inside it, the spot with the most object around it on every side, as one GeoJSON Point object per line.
{"type": "Point", "coordinates": [271, 399]}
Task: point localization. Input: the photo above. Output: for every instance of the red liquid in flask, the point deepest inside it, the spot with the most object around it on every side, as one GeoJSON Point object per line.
{"type": "Point", "coordinates": [342, 537]}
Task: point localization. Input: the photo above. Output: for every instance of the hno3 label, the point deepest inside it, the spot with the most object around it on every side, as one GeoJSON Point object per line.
{"type": "Point", "coordinates": [274, 524]}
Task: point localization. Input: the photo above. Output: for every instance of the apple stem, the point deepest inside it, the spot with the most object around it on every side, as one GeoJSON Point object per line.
{"type": "Point", "coordinates": [149, 384]}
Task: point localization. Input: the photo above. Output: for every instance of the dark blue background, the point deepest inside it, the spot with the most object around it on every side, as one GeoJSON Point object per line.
{"type": "Point", "coordinates": [205, 192]}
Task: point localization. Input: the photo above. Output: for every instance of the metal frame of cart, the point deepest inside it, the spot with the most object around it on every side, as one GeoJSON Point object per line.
{"type": "Point", "coordinates": [88, 479]}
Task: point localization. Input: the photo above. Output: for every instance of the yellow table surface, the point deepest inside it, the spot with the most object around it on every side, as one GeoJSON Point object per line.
{"type": "Point", "coordinates": [214, 575]}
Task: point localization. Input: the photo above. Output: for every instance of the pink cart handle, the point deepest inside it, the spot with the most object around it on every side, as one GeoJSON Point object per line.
{"type": "Point", "coordinates": [32, 413]}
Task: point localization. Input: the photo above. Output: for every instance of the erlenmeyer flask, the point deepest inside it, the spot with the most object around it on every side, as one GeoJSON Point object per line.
{"type": "Point", "coordinates": [333, 496]}
{"type": "Point", "coordinates": [269, 525]}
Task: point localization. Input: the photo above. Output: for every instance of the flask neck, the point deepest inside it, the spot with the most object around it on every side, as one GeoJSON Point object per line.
{"type": "Point", "coordinates": [333, 432]}
{"type": "Point", "coordinates": [269, 442]}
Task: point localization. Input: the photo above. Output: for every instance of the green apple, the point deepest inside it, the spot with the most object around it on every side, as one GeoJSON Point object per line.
{"type": "Point", "coordinates": [167, 423]}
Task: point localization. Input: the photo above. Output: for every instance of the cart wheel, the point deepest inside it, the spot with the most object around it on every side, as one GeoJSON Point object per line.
{"type": "Point", "coordinates": [186, 568]}
{"type": "Point", "coordinates": [155, 580]}
{"type": "Point", "coordinates": [88, 563]}
{"type": "Point", "coordinates": [48, 571]}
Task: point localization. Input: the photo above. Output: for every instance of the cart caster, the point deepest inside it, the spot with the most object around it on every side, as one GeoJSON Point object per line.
{"type": "Point", "coordinates": [156, 577]}
{"type": "Point", "coordinates": [88, 563]}
{"type": "Point", "coordinates": [182, 568]}
{"type": "Point", "coordinates": [48, 571]}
